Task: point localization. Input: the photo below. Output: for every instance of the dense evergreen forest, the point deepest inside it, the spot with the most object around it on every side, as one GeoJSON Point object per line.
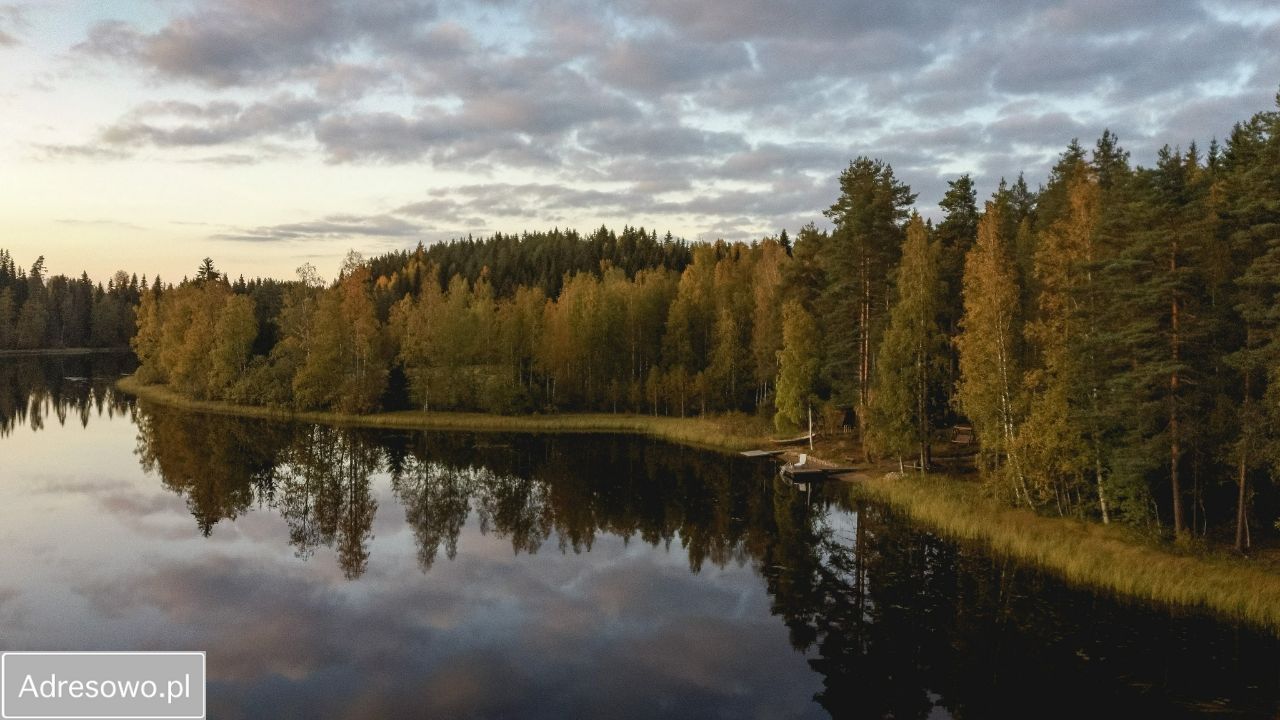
{"type": "Point", "coordinates": [1113, 337]}
{"type": "Point", "coordinates": [41, 311]}
{"type": "Point", "coordinates": [542, 259]}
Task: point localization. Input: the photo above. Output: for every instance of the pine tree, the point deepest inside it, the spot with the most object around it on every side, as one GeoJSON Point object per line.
{"type": "Point", "coordinates": [1152, 323]}
{"type": "Point", "coordinates": [858, 259]}
{"type": "Point", "coordinates": [1246, 201]}
{"type": "Point", "coordinates": [955, 236]}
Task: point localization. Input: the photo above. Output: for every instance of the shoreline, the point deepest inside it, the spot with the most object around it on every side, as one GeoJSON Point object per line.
{"type": "Point", "coordinates": [49, 352]}
{"type": "Point", "coordinates": [722, 433]}
{"type": "Point", "coordinates": [1111, 559]}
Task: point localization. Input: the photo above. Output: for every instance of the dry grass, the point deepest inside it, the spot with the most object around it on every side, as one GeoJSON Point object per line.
{"type": "Point", "coordinates": [53, 352]}
{"type": "Point", "coordinates": [1108, 557]}
{"type": "Point", "coordinates": [722, 432]}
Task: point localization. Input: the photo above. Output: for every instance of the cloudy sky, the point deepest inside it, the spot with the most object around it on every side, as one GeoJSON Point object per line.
{"type": "Point", "coordinates": [268, 133]}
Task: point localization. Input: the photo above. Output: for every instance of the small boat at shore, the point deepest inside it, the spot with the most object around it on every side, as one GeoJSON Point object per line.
{"type": "Point", "coordinates": [802, 470]}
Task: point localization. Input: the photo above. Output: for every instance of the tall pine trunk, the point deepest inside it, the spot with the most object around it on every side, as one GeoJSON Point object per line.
{"type": "Point", "coordinates": [1175, 449]}
{"type": "Point", "coordinates": [864, 361]}
{"type": "Point", "coordinates": [1242, 496]}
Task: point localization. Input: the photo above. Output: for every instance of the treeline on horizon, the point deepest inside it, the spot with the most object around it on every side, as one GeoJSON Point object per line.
{"type": "Point", "coordinates": [1113, 337]}
{"type": "Point", "coordinates": [38, 310]}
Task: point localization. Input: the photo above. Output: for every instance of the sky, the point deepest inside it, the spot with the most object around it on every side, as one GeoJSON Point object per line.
{"type": "Point", "coordinates": [266, 134]}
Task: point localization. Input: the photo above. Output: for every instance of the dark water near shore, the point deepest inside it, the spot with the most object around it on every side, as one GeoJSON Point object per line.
{"type": "Point", "coordinates": [335, 572]}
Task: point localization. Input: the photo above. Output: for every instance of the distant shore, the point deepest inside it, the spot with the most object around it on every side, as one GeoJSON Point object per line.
{"type": "Point", "coordinates": [46, 352]}
{"type": "Point", "coordinates": [724, 432]}
{"type": "Point", "coordinates": [1114, 558]}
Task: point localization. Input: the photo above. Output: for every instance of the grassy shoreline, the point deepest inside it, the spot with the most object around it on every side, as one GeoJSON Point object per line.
{"type": "Point", "coordinates": [724, 433]}
{"type": "Point", "coordinates": [50, 352]}
{"type": "Point", "coordinates": [1110, 558]}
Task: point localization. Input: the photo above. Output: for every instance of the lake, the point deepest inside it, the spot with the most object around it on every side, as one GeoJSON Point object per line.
{"type": "Point", "coordinates": [339, 572]}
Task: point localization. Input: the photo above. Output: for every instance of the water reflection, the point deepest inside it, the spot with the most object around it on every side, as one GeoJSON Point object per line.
{"type": "Point", "coordinates": [34, 389]}
{"type": "Point", "coordinates": [525, 489]}
{"type": "Point", "coordinates": [895, 621]}
{"type": "Point", "coordinates": [357, 573]}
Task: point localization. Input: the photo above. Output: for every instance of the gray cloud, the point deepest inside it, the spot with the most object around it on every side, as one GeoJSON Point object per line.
{"type": "Point", "coordinates": [89, 151]}
{"type": "Point", "coordinates": [1114, 17]}
{"type": "Point", "coordinates": [13, 22]}
{"type": "Point", "coordinates": [770, 159]}
{"type": "Point", "coordinates": [672, 109]}
{"type": "Point", "coordinates": [215, 123]}
{"type": "Point", "coordinates": [659, 63]}
{"type": "Point", "coordinates": [511, 206]}
{"type": "Point", "coordinates": [505, 200]}
{"type": "Point", "coordinates": [120, 224]}
{"type": "Point", "coordinates": [1037, 130]}
{"type": "Point", "coordinates": [426, 648]}
{"type": "Point", "coordinates": [658, 141]}
{"type": "Point", "coordinates": [333, 227]}
{"type": "Point", "coordinates": [239, 42]}
{"type": "Point", "coordinates": [820, 19]}
{"type": "Point", "coordinates": [518, 122]}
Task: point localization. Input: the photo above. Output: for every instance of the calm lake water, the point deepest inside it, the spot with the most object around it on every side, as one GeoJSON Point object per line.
{"type": "Point", "coordinates": [333, 572]}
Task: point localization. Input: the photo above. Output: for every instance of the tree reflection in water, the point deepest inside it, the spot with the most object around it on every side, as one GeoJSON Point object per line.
{"type": "Point", "coordinates": [316, 477]}
{"type": "Point", "coordinates": [898, 622]}
{"type": "Point", "coordinates": [895, 620]}
{"type": "Point", "coordinates": [323, 493]}
{"type": "Point", "coordinates": [437, 501]}
{"type": "Point", "coordinates": [33, 389]}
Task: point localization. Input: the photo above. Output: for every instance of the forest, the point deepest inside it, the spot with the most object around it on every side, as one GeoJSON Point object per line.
{"type": "Point", "coordinates": [39, 311]}
{"type": "Point", "coordinates": [1112, 336]}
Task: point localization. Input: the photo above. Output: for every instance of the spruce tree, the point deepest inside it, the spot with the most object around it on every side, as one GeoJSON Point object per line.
{"type": "Point", "coordinates": [797, 367]}
{"type": "Point", "coordinates": [911, 367]}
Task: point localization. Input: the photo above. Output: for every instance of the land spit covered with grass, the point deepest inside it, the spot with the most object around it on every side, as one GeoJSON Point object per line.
{"type": "Point", "coordinates": [729, 432]}
{"type": "Point", "coordinates": [1110, 558]}
{"type": "Point", "coordinates": [63, 351]}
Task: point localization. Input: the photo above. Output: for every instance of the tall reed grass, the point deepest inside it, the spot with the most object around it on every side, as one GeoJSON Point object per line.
{"type": "Point", "coordinates": [1108, 557]}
